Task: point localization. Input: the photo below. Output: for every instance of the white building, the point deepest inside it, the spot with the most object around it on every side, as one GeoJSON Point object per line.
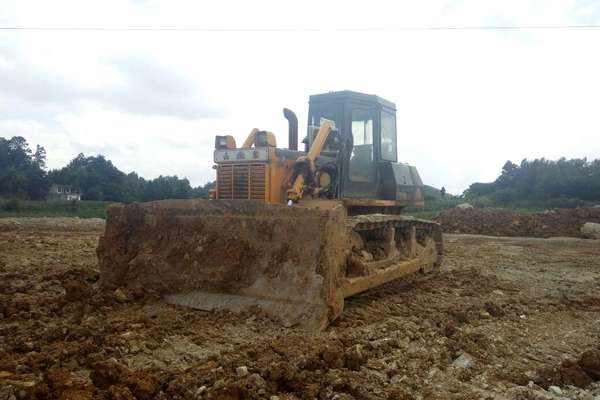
{"type": "Point", "coordinates": [63, 193]}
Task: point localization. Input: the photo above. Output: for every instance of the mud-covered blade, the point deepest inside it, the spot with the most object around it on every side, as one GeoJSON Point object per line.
{"type": "Point", "coordinates": [216, 255]}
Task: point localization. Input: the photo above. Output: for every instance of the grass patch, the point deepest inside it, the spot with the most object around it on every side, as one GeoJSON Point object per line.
{"type": "Point", "coordinates": [29, 208]}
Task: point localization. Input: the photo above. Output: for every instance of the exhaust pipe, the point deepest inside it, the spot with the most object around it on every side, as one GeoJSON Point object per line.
{"type": "Point", "coordinates": [292, 128]}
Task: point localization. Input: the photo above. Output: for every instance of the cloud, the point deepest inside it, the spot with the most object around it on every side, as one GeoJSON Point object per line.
{"type": "Point", "coordinates": [30, 92]}
{"type": "Point", "coordinates": [152, 88]}
{"type": "Point", "coordinates": [145, 86]}
{"type": "Point", "coordinates": [586, 11]}
{"type": "Point", "coordinates": [151, 101]}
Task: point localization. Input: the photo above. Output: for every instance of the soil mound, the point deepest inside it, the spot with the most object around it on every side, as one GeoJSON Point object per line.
{"type": "Point", "coordinates": [495, 222]}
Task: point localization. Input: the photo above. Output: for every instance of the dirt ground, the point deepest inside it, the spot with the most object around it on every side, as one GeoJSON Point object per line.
{"type": "Point", "coordinates": [505, 318]}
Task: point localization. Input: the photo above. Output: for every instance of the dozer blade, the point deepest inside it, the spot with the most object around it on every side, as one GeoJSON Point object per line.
{"type": "Point", "coordinates": [215, 255]}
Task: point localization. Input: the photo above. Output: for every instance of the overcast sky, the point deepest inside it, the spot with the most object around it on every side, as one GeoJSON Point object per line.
{"type": "Point", "coordinates": [152, 102]}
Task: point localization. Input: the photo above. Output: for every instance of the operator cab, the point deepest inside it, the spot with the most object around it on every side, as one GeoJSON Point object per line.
{"type": "Point", "coordinates": [365, 132]}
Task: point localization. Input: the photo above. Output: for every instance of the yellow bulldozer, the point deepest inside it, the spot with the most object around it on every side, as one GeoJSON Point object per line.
{"type": "Point", "coordinates": [290, 232]}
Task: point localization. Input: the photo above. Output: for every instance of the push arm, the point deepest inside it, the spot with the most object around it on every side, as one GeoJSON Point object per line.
{"type": "Point", "coordinates": [296, 192]}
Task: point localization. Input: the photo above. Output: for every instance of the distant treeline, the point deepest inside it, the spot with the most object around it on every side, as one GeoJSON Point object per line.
{"type": "Point", "coordinates": [536, 183]}
{"type": "Point", "coordinates": [23, 175]}
{"type": "Point", "coordinates": [561, 183]}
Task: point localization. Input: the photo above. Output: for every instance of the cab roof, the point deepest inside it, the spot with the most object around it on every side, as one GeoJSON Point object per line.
{"type": "Point", "coordinates": [351, 95]}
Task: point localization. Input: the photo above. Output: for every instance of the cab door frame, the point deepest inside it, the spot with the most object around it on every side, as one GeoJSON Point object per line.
{"type": "Point", "coordinates": [357, 188]}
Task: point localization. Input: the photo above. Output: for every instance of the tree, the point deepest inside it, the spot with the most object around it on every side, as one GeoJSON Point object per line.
{"type": "Point", "coordinates": [99, 179]}
{"type": "Point", "coordinates": [22, 173]}
{"type": "Point", "coordinates": [543, 182]}
{"type": "Point", "coordinates": [95, 176]}
{"type": "Point", "coordinates": [202, 192]}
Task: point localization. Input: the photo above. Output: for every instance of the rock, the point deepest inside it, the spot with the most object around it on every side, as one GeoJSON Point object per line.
{"type": "Point", "coordinates": [200, 391]}
{"type": "Point", "coordinates": [555, 390]}
{"type": "Point", "coordinates": [590, 363]}
{"type": "Point", "coordinates": [219, 384]}
{"type": "Point", "coordinates": [241, 371]}
{"type": "Point", "coordinates": [485, 315]}
{"type": "Point", "coordinates": [120, 393]}
{"type": "Point", "coordinates": [107, 373]}
{"type": "Point", "coordinates": [143, 386]}
{"type": "Point", "coordinates": [355, 357]}
{"type": "Point", "coordinates": [256, 381]}
{"type": "Point", "coordinates": [464, 361]}
{"type": "Point", "coordinates": [493, 309]}
{"type": "Point", "coordinates": [397, 379]}
{"type": "Point", "coordinates": [77, 290]}
{"type": "Point", "coordinates": [532, 376]}
{"type": "Point", "coordinates": [571, 373]}
{"type": "Point", "coordinates": [121, 296]}
{"type": "Point", "coordinates": [274, 397]}
{"type": "Point", "coordinates": [591, 230]}
{"type": "Point", "coordinates": [333, 356]}
{"type": "Point", "coordinates": [464, 206]}
{"type": "Point", "coordinates": [534, 387]}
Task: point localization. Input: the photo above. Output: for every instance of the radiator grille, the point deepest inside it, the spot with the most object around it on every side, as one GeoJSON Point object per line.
{"type": "Point", "coordinates": [241, 181]}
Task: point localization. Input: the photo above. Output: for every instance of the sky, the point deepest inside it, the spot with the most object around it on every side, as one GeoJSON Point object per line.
{"type": "Point", "coordinates": [152, 101]}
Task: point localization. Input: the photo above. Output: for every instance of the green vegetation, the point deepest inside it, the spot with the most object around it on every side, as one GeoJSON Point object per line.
{"type": "Point", "coordinates": [39, 208]}
{"type": "Point", "coordinates": [100, 180]}
{"type": "Point", "coordinates": [535, 185]}
{"type": "Point", "coordinates": [22, 171]}
{"type": "Point", "coordinates": [23, 175]}
{"type": "Point", "coordinates": [540, 184]}
{"type": "Point", "coordinates": [24, 183]}
{"type": "Point", "coordinates": [531, 186]}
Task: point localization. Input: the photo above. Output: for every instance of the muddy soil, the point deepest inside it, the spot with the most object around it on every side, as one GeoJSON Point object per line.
{"type": "Point", "coordinates": [505, 318]}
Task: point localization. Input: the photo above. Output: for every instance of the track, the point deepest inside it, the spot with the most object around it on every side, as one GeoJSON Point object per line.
{"type": "Point", "coordinates": [388, 247]}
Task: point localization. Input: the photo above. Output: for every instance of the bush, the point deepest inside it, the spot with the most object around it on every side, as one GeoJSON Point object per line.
{"type": "Point", "coordinates": [12, 205]}
{"type": "Point", "coordinates": [482, 202]}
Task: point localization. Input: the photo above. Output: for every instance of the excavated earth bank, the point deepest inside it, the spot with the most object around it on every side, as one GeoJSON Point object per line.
{"type": "Point", "coordinates": [495, 222]}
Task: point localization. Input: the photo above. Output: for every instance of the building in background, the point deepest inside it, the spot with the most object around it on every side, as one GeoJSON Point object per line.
{"type": "Point", "coordinates": [63, 193]}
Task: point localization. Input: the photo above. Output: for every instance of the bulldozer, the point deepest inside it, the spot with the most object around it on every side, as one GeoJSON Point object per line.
{"type": "Point", "coordinates": [289, 232]}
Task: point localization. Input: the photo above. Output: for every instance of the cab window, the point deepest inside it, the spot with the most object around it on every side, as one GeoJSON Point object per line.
{"type": "Point", "coordinates": [316, 117]}
{"type": "Point", "coordinates": [388, 137]}
{"type": "Point", "coordinates": [362, 163]}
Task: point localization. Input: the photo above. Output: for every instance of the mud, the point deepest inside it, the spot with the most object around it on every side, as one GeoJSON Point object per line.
{"type": "Point", "coordinates": [505, 318]}
{"type": "Point", "coordinates": [214, 255]}
{"type": "Point", "coordinates": [498, 222]}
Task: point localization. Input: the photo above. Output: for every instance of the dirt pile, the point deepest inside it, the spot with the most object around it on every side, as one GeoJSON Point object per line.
{"type": "Point", "coordinates": [582, 371]}
{"type": "Point", "coordinates": [496, 222]}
